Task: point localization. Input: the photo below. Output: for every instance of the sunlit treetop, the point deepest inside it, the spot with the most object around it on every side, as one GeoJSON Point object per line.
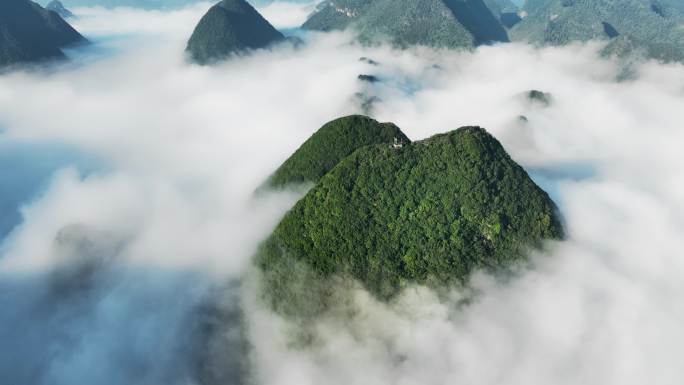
{"type": "Point", "coordinates": [329, 145]}
{"type": "Point", "coordinates": [649, 27]}
{"type": "Point", "coordinates": [435, 23]}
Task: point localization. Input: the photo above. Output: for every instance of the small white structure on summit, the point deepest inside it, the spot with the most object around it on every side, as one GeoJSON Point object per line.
{"type": "Point", "coordinates": [397, 144]}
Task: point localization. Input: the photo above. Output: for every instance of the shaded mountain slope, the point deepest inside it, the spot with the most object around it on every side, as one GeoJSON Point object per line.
{"type": "Point", "coordinates": [30, 34]}
{"type": "Point", "coordinates": [654, 26]}
{"type": "Point", "coordinates": [435, 23]}
{"type": "Point", "coordinates": [230, 27]}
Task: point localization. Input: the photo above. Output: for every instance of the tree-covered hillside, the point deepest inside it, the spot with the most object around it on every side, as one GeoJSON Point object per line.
{"type": "Point", "coordinates": [430, 212]}
{"type": "Point", "coordinates": [435, 23]}
{"type": "Point", "coordinates": [654, 26]}
{"type": "Point", "coordinates": [29, 33]}
{"type": "Point", "coordinates": [333, 15]}
{"type": "Point", "coordinates": [229, 27]}
{"type": "Point", "coordinates": [329, 145]}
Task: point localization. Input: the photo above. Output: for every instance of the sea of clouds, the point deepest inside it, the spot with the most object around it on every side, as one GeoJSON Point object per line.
{"type": "Point", "coordinates": [129, 214]}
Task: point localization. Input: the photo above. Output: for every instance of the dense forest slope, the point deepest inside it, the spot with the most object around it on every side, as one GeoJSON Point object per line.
{"type": "Point", "coordinates": [229, 27]}
{"type": "Point", "coordinates": [329, 145]}
{"type": "Point", "coordinates": [428, 212]}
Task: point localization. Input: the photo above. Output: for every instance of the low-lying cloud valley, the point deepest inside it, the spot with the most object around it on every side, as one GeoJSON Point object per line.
{"type": "Point", "coordinates": [130, 216]}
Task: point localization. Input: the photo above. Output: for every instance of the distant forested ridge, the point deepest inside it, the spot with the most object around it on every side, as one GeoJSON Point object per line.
{"type": "Point", "coordinates": [435, 23]}
{"type": "Point", "coordinates": [652, 27]}
{"type": "Point", "coordinates": [230, 27]}
{"type": "Point", "coordinates": [329, 145]}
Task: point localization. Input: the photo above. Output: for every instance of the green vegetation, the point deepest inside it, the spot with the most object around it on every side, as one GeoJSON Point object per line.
{"type": "Point", "coordinates": [648, 26]}
{"type": "Point", "coordinates": [230, 27]}
{"type": "Point", "coordinates": [329, 145]}
{"type": "Point", "coordinates": [428, 212]}
{"type": "Point", "coordinates": [435, 23]}
{"type": "Point", "coordinates": [30, 34]}
{"type": "Point", "coordinates": [333, 15]}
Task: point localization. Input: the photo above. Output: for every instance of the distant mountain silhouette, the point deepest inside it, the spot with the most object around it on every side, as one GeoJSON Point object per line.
{"type": "Point", "coordinates": [30, 34]}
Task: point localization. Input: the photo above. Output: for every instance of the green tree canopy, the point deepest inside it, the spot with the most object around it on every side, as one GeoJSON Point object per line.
{"type": "Point", "coordinates": [329, 145]}
{"type": "Point", "coordinates": [429, 212]}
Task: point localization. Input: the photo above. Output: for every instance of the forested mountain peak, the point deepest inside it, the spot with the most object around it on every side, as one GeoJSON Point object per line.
{"type": "Point", "coordinates": [230, 27]}
{"type": "Point", "coordinates": [332, 143]}
{"type": "Point", "coordinates": [427, 212]}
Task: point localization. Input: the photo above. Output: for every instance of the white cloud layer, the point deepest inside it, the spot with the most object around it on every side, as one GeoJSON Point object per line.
{"type": "Point", "coordinates": [288, 15]}
{"type": "Point", "coordinates": [174, 24]}
{"type": "Point", "coordinates": [185, 146]}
